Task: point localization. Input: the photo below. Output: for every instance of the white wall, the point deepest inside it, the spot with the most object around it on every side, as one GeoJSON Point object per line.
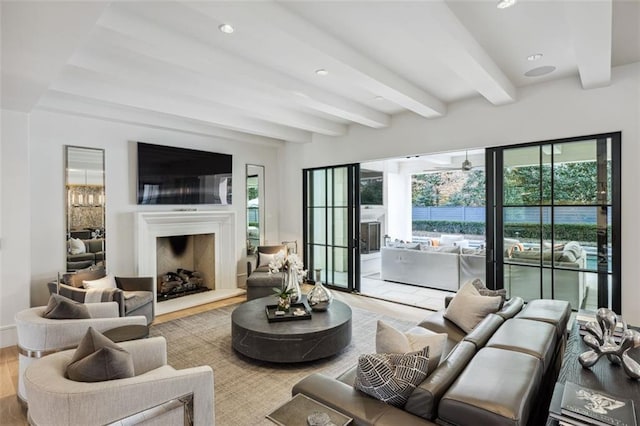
{"type": "Point", "coordinates": [545, 111]}
{"type": "Point", "coordinates": [33, 196]}
{"type": "Point", "coordinates": [15, 241]}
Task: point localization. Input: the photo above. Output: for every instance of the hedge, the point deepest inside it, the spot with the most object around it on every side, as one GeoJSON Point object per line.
{"type": "Point", "coordinates": [563, 232]}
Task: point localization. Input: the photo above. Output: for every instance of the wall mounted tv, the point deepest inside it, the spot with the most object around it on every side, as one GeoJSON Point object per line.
{"type": "Point", "coordinates": [171, 175]}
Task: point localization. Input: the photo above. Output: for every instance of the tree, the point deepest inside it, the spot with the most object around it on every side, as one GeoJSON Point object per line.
{"type": "Point", "coordinates": [472, 193]}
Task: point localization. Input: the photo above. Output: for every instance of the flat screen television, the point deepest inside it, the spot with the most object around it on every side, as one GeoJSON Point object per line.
{"type": "Point", "coordinates": [171, 175]}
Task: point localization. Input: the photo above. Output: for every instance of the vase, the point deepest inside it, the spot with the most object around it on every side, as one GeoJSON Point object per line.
{"type": "Point", "coordinates": [319, 298]}
{"type": "Point", "coordinates": [291, 283]}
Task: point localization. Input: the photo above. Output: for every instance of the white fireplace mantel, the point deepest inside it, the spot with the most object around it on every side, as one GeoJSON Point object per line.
{"type": "Point", "coordinates": [151, 225]}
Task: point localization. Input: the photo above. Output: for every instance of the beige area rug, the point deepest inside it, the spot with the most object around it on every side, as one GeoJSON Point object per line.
{"type": "Point", "coordinates": [247, 390]}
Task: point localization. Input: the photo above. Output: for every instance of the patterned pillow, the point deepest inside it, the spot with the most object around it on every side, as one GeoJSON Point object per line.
{"type": "Point", "coordinates": [98, 358]}
{"type": "Point", "coordinates": [391, 378]}
{"type": "Point", "coordinates": [60, 307]}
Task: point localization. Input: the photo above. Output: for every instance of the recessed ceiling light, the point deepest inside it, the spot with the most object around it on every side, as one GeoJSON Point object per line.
{"type": "Point", "coordinates": [503, 4]}
{"type": "Point", "coordinates": [537, 72]}
{"type": "Point", "coordinates": [226, 28]}
{"type": "Point", "coordinates": [322, 72]}
{"type": "Point", "coordinates": [534, 57]}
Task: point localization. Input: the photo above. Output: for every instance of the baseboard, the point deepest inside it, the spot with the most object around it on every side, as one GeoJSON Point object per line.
{"type": "Point", "coordinates": [8, 336]}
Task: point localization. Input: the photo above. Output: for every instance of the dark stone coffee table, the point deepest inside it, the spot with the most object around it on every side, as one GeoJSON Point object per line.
{"type": "Point", "coordinates": [325, 334]}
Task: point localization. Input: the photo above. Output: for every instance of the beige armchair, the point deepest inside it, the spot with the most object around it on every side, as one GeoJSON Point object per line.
{"type": "Point", "coordinates": [39, 336]}
{"type": "Point", "coordinates": [158, 393]}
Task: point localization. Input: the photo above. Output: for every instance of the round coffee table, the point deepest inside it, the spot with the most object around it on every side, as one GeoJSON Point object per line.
{"type": "Point", "coordinates": [325, 334]}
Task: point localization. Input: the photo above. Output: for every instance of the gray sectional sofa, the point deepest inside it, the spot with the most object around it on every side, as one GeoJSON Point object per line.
{"type": "Point", "coordinates": [444, 268]}
{"type": "Point", "coordinates": [500, 373]}
{"type": "Point", "coordinates": [522, 274]}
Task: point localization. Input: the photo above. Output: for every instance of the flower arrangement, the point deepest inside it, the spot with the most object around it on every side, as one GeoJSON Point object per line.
{"type": "Point", "coordinates": [287, 263]}
{"type": "Point", "coordinates": [294, 271]}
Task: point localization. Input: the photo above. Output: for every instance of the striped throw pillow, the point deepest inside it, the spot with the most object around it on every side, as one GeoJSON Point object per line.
{"type": "Point", "coordinates": [391, 378]}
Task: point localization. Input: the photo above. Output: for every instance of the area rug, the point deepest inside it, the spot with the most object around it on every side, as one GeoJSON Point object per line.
{"type": "Point", "coordinates": [245, 390]}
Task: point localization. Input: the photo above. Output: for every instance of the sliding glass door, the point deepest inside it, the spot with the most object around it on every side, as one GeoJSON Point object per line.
{"type": "Point", "coordinates": [554, 218]}
{"type": "Point", "coordinates": [331, 212]}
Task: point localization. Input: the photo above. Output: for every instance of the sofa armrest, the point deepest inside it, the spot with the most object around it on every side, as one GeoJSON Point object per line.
{"type": "Point", "coordinates": [93, 403]}
{"type": "Point", "coordinates": [148, 354]}
{"type": "Point", "coordinates": [135, 283]}
{"type": "Point", "coordinates": [364, 409]}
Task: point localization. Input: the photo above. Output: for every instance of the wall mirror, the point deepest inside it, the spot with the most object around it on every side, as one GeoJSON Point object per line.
{"type": "Point", "coordinates": [84, 180]}
{"type": "Point", "coordinates": [255, 207]}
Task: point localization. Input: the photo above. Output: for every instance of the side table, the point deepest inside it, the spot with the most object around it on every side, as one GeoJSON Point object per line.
{"type": "Point", "coordinates": [605, 376]}
{"type": "Point", "coordinates": [127, 332]}
{"type": "Point", "coordinates": [297, 409]}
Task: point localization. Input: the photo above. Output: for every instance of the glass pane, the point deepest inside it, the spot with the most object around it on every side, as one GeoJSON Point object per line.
{"type": "Point", "coordinates": [341, 267]}
{"type": "Point", "coordinates": [522, 281]}
{"type": "Point", "coordinates": [319, 261]}
{"type": "Point", "coordinates": [340, 183]}
{"type": "Point", "coordinates": [547, 284]}
{"type": "Point", "coordinates": [318, 188]}
{"type": "Point", "coordinates": [572, 287]}
{"type": "Point", "coordinates": [575, 173]}
{"type": "Point", "coordinates": [521, 176]}
{"type": "Point", "coordinates": [576, 238]}
{"type": "Point", "coordinates": [546, 171]}
{"type": "Point", "coordinates": [339, 226]}
{"type": "Point", "coordinates": [317, 223]}
{"type": "Point", "coordinates": [522, 233]}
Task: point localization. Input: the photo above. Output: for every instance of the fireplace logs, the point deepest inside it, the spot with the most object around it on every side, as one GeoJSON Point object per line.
{"type": "Point", "coordinates": [180, 283]}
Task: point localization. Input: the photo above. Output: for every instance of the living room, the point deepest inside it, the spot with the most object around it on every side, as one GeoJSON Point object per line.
{"type": "Point", "coordinates": [34, 137]}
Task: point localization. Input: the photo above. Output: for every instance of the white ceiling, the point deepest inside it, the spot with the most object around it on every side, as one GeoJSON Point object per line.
{"type": "Point", "coordinates": [166, 64]}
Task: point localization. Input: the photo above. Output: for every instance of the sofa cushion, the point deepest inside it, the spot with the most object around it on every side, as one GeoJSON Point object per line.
{"type": "Point", "coordinates": [437, 323]}
{"type": "Point", "coordinates": [535, 338]}
{"type": "Point", "coordinates": [75, 279]}
{"type": "Point", "coordinates": [484, 291]}
{"type": "Point", "coordinates": [266, 253]}
{"type": "Point", "coordinates": [555, 312]}
{"type": "Point", "coordinates": [501, 395]}
{"type": "Point", "coordinates": [105, 282]}
{"type": "Point", "coordinates": [390, 340]}
{"type": "Point", "coordinates": [424, 399]}
{"type": "Point", "coordinates": [391, 378]}
{"type": "Point", "coordinates": [60, 307]}
{"type": "Point", "coordinates": [448, 240]}
{"type": "Point", "coordinates": [98, 359]}
{"type": "Point", "coordinates": [468, 307]}
{"type": "Point", "coordinates": [76, 246]}
{"type": "Point", "coordinates": [135, 299]}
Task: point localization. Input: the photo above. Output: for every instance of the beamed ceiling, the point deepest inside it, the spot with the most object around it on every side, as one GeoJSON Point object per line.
{"type": "Point", "coordinates": [167, 64]}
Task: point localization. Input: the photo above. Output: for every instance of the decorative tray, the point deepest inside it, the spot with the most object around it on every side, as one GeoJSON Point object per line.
{"type": "Point", "coordinates": [289, 316]}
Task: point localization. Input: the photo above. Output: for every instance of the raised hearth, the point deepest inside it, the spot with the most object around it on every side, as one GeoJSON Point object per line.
{"type": "Point", "coordinates": [151, 225]}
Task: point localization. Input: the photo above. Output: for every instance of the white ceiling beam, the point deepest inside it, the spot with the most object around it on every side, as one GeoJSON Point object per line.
{"type": "Point", "coordinates": [35, 49]}
{"type": "Point", "coordinates": [151, 39]}
{"type": "Point", "coordinates": [165, 77]}
{"type": "Point", "coordinates": [448, 40]}
{"type": "Point", "coordinates": [590, 24]}
{"type": "Point", "coordinates": [362, 71]}
{"type": "Point", "coordinates": [77, 105]}
{"type": "Point", "coordinates": [92, 85]}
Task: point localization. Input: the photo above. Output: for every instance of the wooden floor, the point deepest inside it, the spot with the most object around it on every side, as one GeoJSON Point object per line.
{"type": "Point", "coordinates": [12, 412]}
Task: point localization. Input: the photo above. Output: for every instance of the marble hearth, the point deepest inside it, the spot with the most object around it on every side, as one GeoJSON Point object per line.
{"type": "Point", "coordinates": [151, 225]}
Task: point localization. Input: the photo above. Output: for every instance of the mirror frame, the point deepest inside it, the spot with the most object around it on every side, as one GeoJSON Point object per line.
{"type": "Point", "coordinates": [86, 200]}
{"type": "Point", "coordinates": [257, 171]}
